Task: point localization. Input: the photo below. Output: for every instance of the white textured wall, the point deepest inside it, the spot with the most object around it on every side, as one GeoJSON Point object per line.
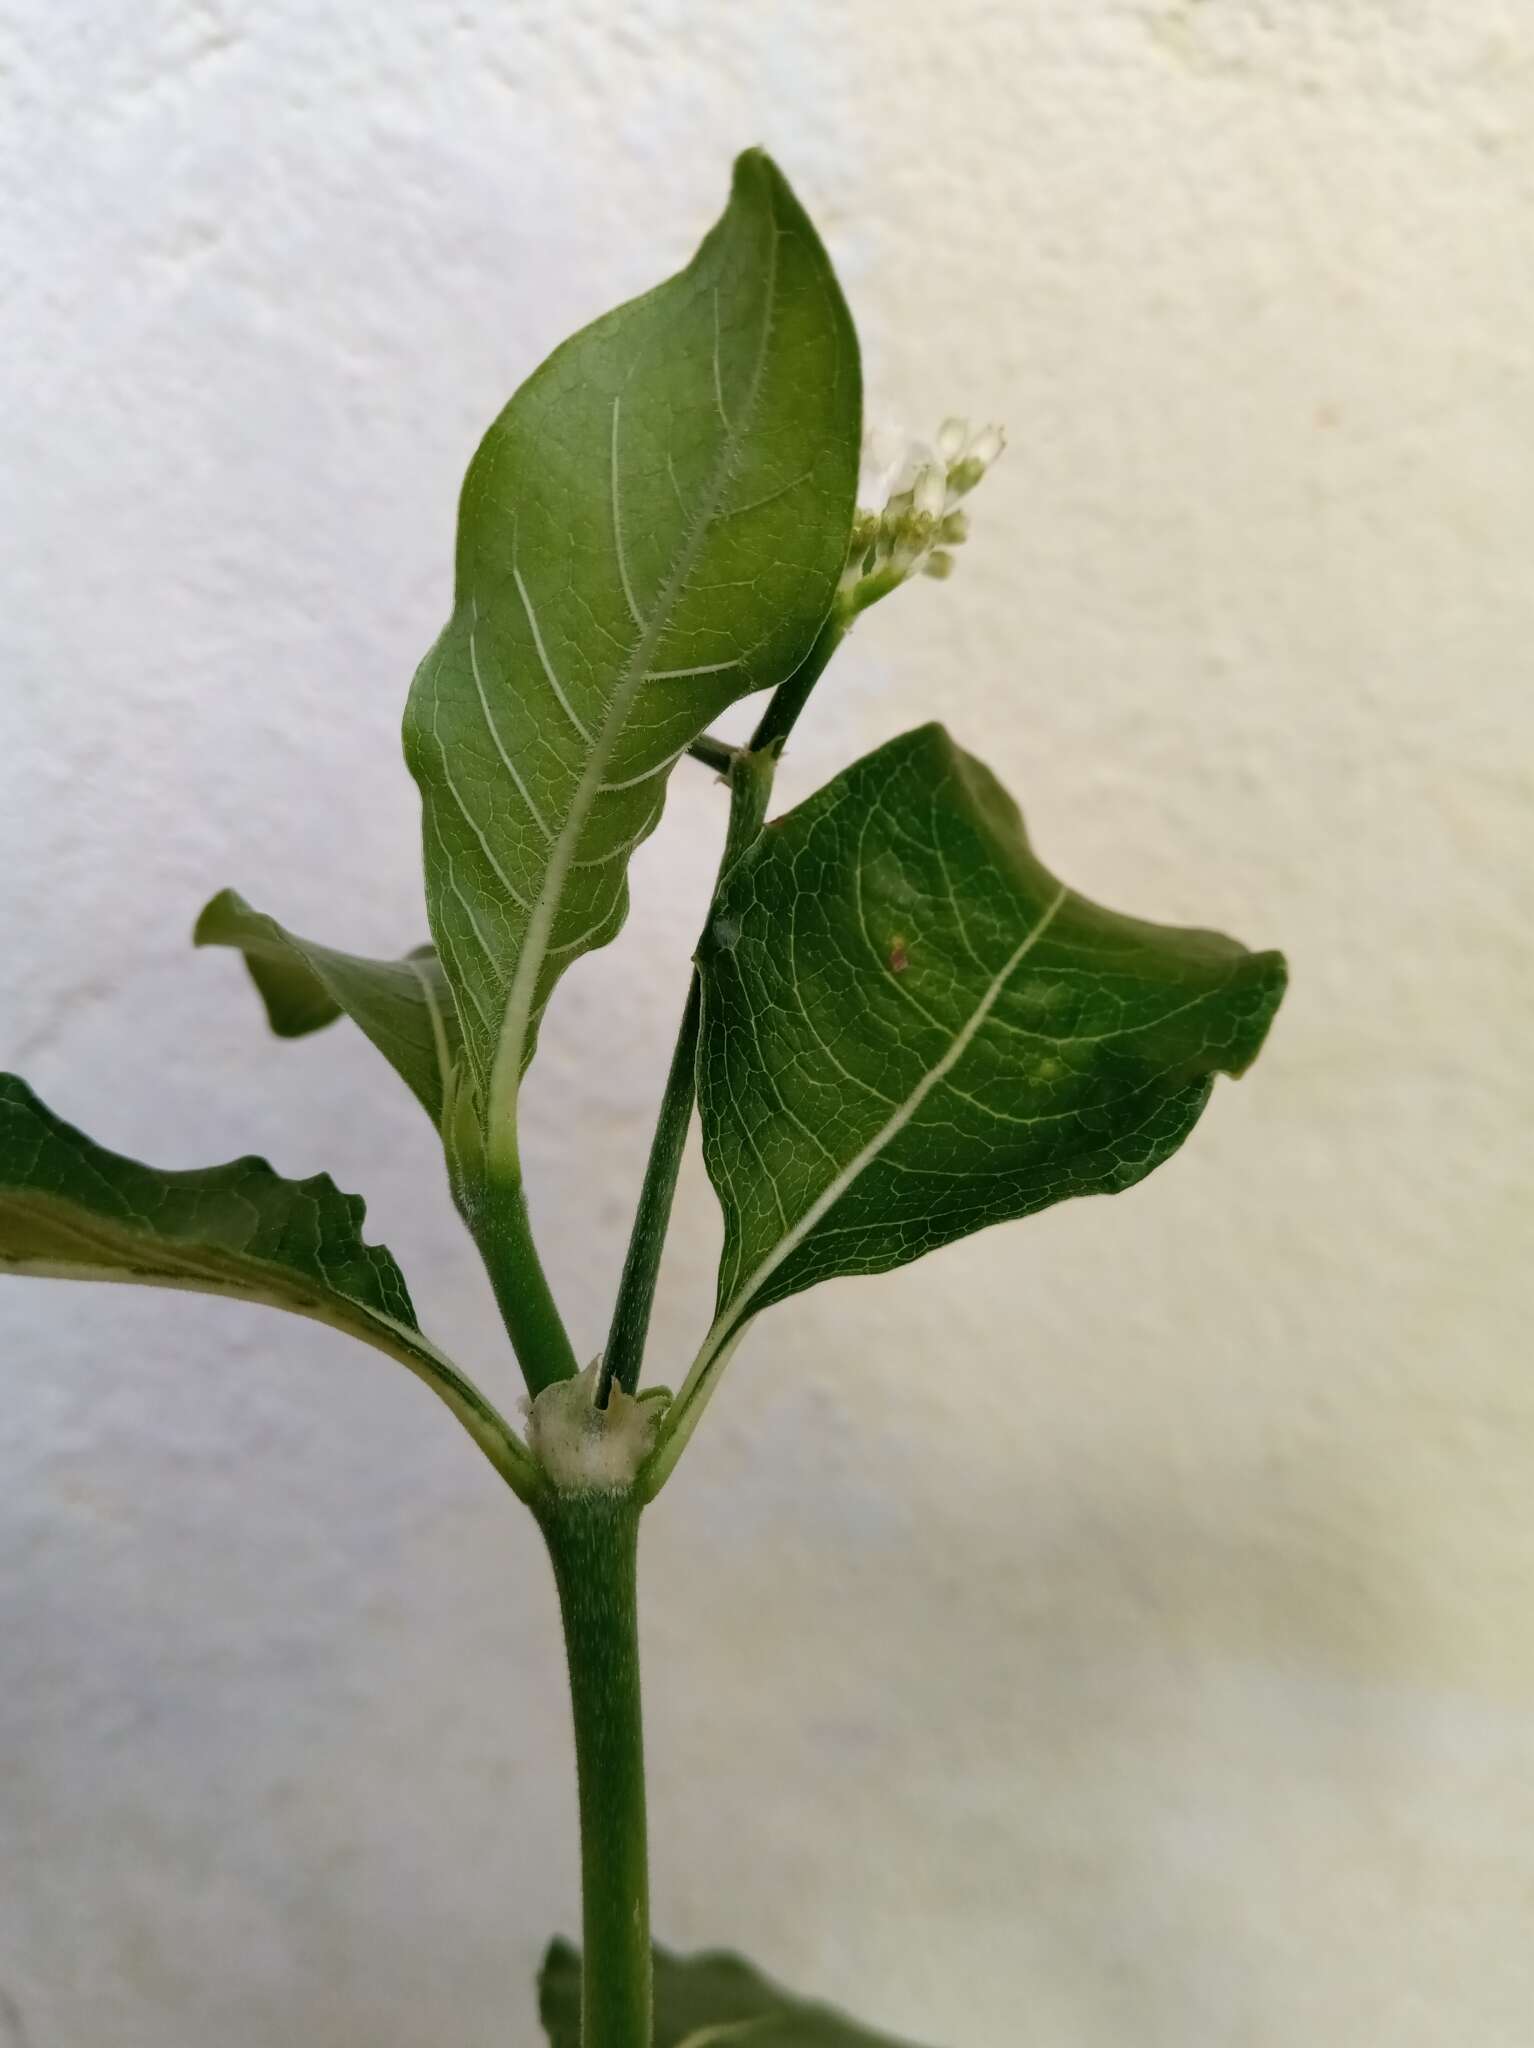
{"type": "Point", "coordinates": [1117, 1629]}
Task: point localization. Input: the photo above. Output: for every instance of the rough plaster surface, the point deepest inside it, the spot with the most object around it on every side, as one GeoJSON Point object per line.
{"type": "Point", "coordinates": [1117, 1629]}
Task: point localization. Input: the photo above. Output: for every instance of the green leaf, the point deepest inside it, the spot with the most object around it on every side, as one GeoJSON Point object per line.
{"type": "Point", "coordinates": [404, 1006]}
{"type": "Point", "coordinates": [70, 1210]}
{"type": "Point", "coordinates": [912, 1030]}
{"type": "Point", "coordinates": [653, 528]}
{"type": "Point", "coordinates": [703, 2000]}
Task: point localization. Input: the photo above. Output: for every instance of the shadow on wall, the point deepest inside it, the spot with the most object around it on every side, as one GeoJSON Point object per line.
{"type": "Point", "coordinates": [1137, 1759]}
{"type": "Point", "coordinates": [1212, 1720]}
{"type": "Point", "coordinates": [1137, 1762]}
{"type": "Point", "coordinates": [13, 2027]}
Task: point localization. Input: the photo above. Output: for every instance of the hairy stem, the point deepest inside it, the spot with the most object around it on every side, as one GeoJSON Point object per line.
{"type": "Point", "coordinates": [593, 1543]}
{"type": "Point", "coordinates": [713, 753]}
{"type": "Point", "coordinates": [790, 698]}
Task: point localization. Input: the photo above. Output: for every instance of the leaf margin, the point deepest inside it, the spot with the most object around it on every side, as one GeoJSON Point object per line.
{"type": "Point", "coordinates": [994, 813]}
{"type": "Point", "coordinates": [756, 180]}
{"type": "Point", "coordinates": [376, 1310]}
{"type": "Point", "coordinates": [753, 2006]}
{"type": "Point", "coordinates": [305, 986]}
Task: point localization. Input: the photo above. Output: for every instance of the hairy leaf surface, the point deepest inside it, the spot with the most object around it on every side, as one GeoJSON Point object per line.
{"type": "Point", "coordinates": [911, 1029]}
{"type": "Point", "coordinates": [652, 528]}
{"type": "Point", "coordinates": [710, 2000]}
{"type": "Point", "coordinates": [71, 1210]}
{"type": "Point", "coordinates": [403, 1006]}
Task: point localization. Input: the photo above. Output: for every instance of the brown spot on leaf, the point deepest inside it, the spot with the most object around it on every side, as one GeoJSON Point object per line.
{"type": "Point", "coordinates": [900, 959]}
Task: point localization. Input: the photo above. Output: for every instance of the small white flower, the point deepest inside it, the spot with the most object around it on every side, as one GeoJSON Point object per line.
{"type": "Point", "coordinates": [951, 437]}
{"type": "Point", "coordinates": [929, 494]}
{"type": "Point", "coordinates": [908, 498]}
{"type": "Point", "coordinates": [974, 459]}
{"type": "Point", "coordinates": [883, 458]}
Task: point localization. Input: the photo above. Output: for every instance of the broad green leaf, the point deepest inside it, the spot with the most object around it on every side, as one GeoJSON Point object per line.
{"type": "Point", "coordinates": [912, 1030]}
{"type": "Point", "coordinates": [70, 1210]}
{"type": "Point", "coordinates": [404, 1006]}
{"type": "Point", "coordinates": [710, 2000]}
{"type": "Point", "coordinates": [653, 528]}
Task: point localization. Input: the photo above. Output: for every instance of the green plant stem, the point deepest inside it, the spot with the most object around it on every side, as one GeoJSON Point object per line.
{"type": "Point", "coordinates": [749, 771]}
{"type": "Point", "coordinates": [790, 698]}
{"type": "Point", "coordinates": [499, 1220]}
{"type": "Point", "coordinates": [522, 1291]}
{"type": "Point", "coordinates": [750, 778]}
{"type": "Point", "coordinates": [683, 1414]}
{"type": "Point", "coordinates": [713, 753]}
{"type": "Point", "coordinates": [593, 1543]}
{"type": "Point", "coordinates": [624, 1354]}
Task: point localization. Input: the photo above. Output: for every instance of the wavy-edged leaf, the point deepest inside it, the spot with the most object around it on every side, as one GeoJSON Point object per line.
{"type": "Point", "coordinates": [653, 528]}
{"type": "Point", "coordinates": [404, 1007]}
{"type": "Point", "coordinates": [71, 1210]}
{"type": "Point", "coordinates": [911, 1029]}
{"type": "Point", "coordinates": [710, 2000]}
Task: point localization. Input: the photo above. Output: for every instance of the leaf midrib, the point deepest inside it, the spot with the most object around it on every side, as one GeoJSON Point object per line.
{"type": "Point", "coordinates": [506, 1069]}
{"type": "Point", "coordinates": [889, 1130]}
{"type": "Point", "coordinates": [204, 1268]}
{"type": "Point", "coordinates": [438, 1028]}
{"type": "Point", "coordinates": [196, 1269]}
{"type": "Point", "coordinates": [717, 2035]}
{"type": "Point", "coordinates": [730, 1324]}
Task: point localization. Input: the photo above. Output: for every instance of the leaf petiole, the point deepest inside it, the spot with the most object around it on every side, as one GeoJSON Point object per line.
{"type": "Point", "coordinates": [713, 753]}
{"type": "Point", "coordinates": [685, 1412]}
{"type": "Point", "coordinates": [501, 1228]}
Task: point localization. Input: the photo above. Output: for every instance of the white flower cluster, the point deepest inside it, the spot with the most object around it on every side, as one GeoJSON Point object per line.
{"type": "Point", "coordinates": [909, 518]}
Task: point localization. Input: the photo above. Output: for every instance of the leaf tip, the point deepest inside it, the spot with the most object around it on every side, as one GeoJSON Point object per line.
{"type": "Point", "coordinates": [1267, 978]}
{"type": "Point", "coordinates": [756, 178]}
{"type": "Point", "coordinates": [753, 166]}
{"type": "Point", "coordinates": [207, 929]}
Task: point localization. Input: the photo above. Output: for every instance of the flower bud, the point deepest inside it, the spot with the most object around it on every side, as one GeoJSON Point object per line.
{"type": "Point", "coordinates": [930, 492]}
{"type": "Point", "coordinates": [938, 565]}
{"type": "Point", "coordinates": [951, 437]}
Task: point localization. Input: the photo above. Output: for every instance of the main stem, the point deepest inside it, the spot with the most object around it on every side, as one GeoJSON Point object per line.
{"type": "Point", "coordinates": [593, 1541]}
{"type": "Point", "coordinates": [593, 1537]}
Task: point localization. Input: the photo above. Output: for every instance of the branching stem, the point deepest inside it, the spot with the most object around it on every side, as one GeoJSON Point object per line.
{"type": "Point", "coordinates": [749, 771]}
{"type": "Point", "coordinates": [750, 777]}
{"type": "Point", "coordinates": [790, 698]}
{"type": "Point", "coordinates": [624, 1355]}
